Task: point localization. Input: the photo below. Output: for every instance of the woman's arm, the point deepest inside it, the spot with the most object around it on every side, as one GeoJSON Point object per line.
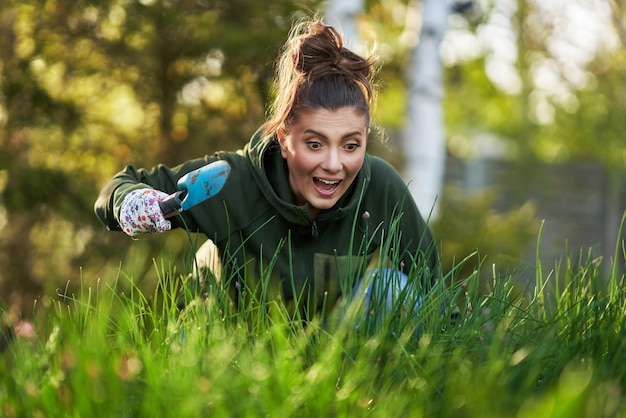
{"type": "Point", "coordinates": [161, 178]}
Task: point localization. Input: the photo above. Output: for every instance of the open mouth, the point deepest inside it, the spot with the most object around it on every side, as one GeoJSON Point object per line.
{"type": "Point", "coordinates": [327, 186]}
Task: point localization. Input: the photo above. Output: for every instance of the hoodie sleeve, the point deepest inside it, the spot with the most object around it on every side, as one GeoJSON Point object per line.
{"type": "Point", "coordinates": [161, 177]}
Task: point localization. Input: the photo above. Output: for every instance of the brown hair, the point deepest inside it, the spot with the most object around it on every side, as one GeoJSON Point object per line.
{"type": "Point", "coordinates": [315, 71]}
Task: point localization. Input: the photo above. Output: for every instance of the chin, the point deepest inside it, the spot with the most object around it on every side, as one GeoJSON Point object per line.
{"type": "Point", "coordinates": [324, 205]}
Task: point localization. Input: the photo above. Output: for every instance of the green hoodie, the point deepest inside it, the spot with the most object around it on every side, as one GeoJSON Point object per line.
{"type": "Point", "coordinates": [258, 229]}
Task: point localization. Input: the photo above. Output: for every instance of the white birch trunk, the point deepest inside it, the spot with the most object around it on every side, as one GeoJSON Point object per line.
{"type": "Point", "coordinates": [342, 15]}
{"type": "Point", "coordinates": [424, 136]}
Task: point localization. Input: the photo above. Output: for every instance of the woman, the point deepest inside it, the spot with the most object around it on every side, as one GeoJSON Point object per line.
{"type": "Point", "coordinates": [304, 204]}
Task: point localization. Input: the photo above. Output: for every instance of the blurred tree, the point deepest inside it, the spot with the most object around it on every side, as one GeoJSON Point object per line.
{"type": "Point", "coordinates": [343, 15]}
{"type": "Point", "coordinates": [545, 78]}
{"type": "Point", "coordinates": [520, 79]}
{"type": "Point", "coordinates": [618, 13]}
{"type": "Point", "coordinates": [86, 87]}
{"type": "Point", "coordinates": [424, 133]}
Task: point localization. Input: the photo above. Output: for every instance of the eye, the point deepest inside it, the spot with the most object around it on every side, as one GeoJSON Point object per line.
{"type": "Point", "coordinates": [314, 145]}
{"type": "Point", "coordinates": [352, 146]}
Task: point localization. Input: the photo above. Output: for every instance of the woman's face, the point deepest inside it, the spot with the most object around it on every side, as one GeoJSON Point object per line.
{"type": "Point", "coordinates": [324, 151]}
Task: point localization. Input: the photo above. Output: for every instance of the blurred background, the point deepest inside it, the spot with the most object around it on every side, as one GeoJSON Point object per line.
{"type": "Point", "coordinates": [529, 99]}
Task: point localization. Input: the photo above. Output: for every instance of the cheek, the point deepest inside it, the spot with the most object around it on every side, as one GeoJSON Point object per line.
{"type": "Point", "coordinates": [301, 163]}
{"type": "Point", "coordinates": [353, 166]}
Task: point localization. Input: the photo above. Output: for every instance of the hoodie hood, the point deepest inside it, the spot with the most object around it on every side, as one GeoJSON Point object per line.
{"type": "Point", "coordinates": [270, 172]}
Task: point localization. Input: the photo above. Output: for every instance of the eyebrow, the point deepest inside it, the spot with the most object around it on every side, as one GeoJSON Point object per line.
{"type": "Point", "coordinates": [314, 132]}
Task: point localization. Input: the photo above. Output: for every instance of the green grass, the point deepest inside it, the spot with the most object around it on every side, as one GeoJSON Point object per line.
{"type": "Point", "coordinates": [558, 351]}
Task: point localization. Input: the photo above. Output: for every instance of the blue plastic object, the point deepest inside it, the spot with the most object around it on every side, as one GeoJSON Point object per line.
{"type": "Point", "coordinates": [195, 187]}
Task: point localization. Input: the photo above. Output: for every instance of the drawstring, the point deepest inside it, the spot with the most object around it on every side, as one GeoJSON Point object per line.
{"type": "Point", "coordinates": [314, 232]}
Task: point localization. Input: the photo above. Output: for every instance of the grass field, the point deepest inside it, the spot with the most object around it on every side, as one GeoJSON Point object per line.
{"type": "Point", "coordinates": [558, 350]}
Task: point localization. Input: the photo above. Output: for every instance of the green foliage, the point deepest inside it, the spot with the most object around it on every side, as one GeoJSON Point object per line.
{"type": "Point", "coordinates": [468, 226]}
{"type": "Point", "coordinates": [87, 87]}
{"type": "Point", "coordinates": [553, 116]}
{"type": "Point", "coordinates": [473, 104]}
{"type": "Point", "coordinates": [550, 117]}
{"type": "Point", "coordinates": [114, 350]}
{"type": "Point", "coordinates": [593, 130]}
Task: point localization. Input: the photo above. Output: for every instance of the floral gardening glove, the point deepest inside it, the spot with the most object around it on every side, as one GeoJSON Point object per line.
{"type": "Point", "coordinates": [140, 213]}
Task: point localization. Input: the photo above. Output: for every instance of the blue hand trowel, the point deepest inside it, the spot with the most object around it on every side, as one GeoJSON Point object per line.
{"type": "Point", "coordinates": [196, 187]}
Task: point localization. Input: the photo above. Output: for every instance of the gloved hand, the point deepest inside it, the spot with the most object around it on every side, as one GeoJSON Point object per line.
{"type": "Point", "coordinates": [140, 213]}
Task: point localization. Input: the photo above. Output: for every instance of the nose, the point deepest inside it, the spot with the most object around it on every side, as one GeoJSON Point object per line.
{"type": "Point", "coordinates": [332, 163]}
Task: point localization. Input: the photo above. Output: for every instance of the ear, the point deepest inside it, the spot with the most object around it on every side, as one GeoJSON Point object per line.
{"type": "Point", "coordinates": [280, 134]}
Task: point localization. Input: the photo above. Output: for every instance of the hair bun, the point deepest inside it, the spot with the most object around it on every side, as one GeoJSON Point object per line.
{"type": "Point", "coordinates": [315, 71]}
{"type": "Point", "coordinates": [320, 52]}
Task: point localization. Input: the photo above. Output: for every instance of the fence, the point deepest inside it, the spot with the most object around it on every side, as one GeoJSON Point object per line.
{"type": "Point", "coordinates": [581, 205]}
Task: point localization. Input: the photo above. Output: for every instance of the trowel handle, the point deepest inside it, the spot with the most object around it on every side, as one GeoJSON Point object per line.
{"type": "Point", "coordinates": [170, 206]}
{"type": "Point", "coordinates": [195, 187]}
